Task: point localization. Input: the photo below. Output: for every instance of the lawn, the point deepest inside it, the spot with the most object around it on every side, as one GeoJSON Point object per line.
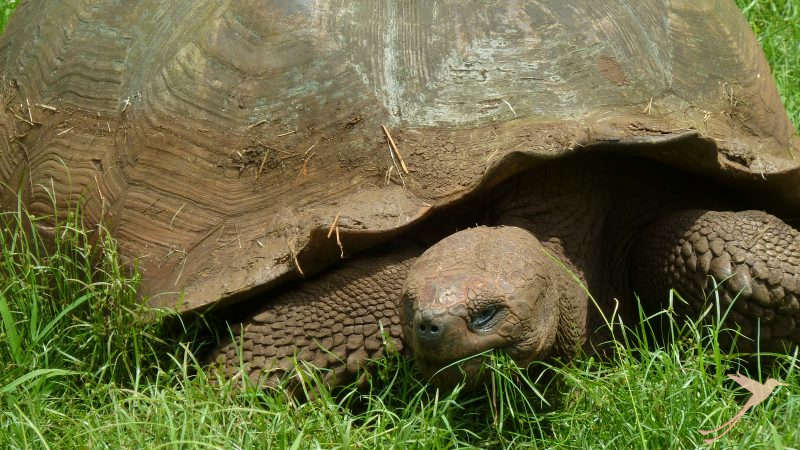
{"type": "Point", "coordinates": [6, 7]}
{"type": "Point", "coordinates": [83, 366]}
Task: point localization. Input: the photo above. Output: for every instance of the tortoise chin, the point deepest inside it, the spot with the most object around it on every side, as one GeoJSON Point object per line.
{"type": "Point", "coordinates": [472, 372]}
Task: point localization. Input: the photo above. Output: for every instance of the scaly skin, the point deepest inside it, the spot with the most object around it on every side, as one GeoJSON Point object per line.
{"type": "Point", "coordinates": [333, 321]}
{"type": "Point", "coordinates": [608, 225]}
{"type": "Point", "coordinates": [751, 254]}
{"type": "Point", "coordinates": [485, 288]}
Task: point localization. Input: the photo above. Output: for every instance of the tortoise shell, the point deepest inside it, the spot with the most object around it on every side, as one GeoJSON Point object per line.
{"type": "Point", "coordinates": [232, 146]}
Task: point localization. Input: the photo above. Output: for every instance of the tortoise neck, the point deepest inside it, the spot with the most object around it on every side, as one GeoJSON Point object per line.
{"type": "Point", "coordinates": [589, 211]}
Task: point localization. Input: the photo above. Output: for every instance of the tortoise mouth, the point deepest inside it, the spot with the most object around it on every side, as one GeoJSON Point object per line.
{"type": "Point", "coordinates": [470, 371]}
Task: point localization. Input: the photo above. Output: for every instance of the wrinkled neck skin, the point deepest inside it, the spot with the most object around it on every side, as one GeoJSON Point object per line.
{"type": "Point", "coordinates": [589, 212]}
{"type": "Point", "coordinates": [522, 286]}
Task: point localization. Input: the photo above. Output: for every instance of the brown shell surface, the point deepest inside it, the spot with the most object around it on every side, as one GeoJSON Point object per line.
{"type": "Point", "coordinates": [220, 140]}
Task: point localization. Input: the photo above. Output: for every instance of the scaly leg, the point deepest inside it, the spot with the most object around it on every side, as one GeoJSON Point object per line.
{"type": "Point", "coordinates": [751, 253]}
{"type": "Point", "coordinates": [333, 322]}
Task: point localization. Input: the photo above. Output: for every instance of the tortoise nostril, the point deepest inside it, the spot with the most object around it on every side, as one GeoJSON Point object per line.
{"type": "Point", "coordinates": [429, 329]}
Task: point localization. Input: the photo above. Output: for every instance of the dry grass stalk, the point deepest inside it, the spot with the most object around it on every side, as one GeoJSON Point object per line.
{"type": "Point", "coordinates": [263, 162]}
{"type": "Point", "coordinates": [304, 169]}
{"type": "Point", "coordinates": [294, 258]}
{"type": "Point", "coordinates": [334, 228]}
{"type": "Point", "coordinates": [339, 243]}
{"type": "Point", "coordinates": [394, 148]}
{"type": "Point", "coordinates": [260, 122]}
{"type": "Point", "coordinates": [30, 114]}
{"type": "Point", "coordinates": [29, 122]}
{"type": "Point", "coordinates": [176, 215]}
{"type": "Point", "coordinates": [333, 225]}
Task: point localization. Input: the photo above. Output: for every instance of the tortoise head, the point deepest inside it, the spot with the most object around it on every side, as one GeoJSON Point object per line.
{"type": "Point", "coordinates": [478, 290]}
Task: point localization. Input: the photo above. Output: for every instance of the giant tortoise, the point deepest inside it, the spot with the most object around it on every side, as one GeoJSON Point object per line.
{"type": "Point", "coordinates": [557, 159]}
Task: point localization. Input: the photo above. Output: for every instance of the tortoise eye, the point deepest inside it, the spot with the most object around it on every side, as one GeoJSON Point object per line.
{"type": "Point", "coordinates": [482, 320]}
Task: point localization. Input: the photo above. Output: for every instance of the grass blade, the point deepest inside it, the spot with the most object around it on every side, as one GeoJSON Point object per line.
{"type": "Point", "coordinates": [61, 315]}
{"type": "Point", "coordinates": [10, 327]}
{"type": "Point", "coordinates": [36, 374]}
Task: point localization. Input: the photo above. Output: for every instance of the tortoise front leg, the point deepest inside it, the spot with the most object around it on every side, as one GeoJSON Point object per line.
{"type": "Point", "coordinates": [337, 321]}
{"type": "Point", "coordinates": [754, 256]}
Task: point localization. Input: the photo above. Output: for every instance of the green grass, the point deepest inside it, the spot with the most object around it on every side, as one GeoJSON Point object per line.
{"type": "Point", "coordinates": [777, 25]}
{"type": "Point", "coordinates": [83, 366]}
{"type": "Point", "coordinates": [6, 7]}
